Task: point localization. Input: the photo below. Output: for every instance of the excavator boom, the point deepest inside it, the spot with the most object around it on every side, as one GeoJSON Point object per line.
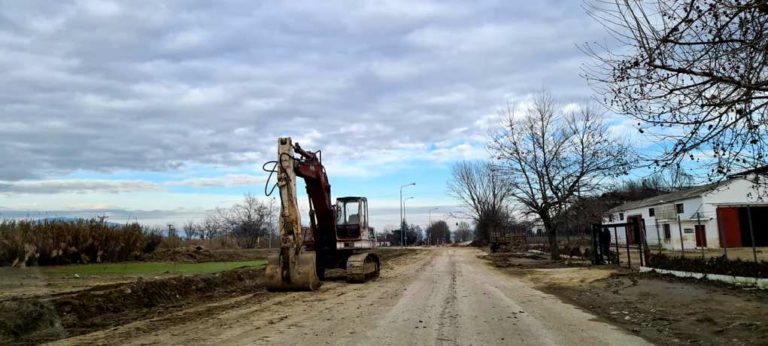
{"type": "Point", "coordinates": [293, 267]}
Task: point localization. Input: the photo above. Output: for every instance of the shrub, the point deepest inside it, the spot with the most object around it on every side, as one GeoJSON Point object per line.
{"type": "Point", "coordinates": [50, 242]}
{"type": "Point", "coordinates": [152, 240]}
{"type": "Point", "coordinates": [713, 265]}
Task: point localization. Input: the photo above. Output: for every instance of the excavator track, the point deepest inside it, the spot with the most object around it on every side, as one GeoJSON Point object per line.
{"type": "Point", "coordinates": [363, 267]}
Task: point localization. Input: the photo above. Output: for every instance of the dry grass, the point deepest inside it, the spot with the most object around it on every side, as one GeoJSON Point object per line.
{"type": "Point", "coordinates": [27, 242]}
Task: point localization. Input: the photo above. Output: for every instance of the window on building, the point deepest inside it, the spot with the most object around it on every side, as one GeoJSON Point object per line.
{"type": "Point", "coordinates": [667, 232]}
{"type": "Point", "coordinates": [679, 208]}
{"type": "Point", "coordinates": [651, 212]}
{"type": "Point", "coordinates": [621, 216]}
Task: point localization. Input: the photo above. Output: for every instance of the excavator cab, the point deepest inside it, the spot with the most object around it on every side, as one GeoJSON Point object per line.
{"type": "Point", "coordinates": [351, 219]}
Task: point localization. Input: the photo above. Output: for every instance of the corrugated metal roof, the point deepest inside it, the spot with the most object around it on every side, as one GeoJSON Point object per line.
{"type": "Point", "coordinates": [666, 198]}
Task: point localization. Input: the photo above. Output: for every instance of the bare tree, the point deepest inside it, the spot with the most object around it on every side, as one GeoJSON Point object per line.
{"type": "Point", "coordinates": [694, 72]}
{"type": "Point", "coordinates": [191, 230]}
{"type": "Point", "coordinates": [483, 192]}
{"type": "Point", "coordinates": [211, 227]}
{"type": "Point", "coordinates": [250, 220]}
{"type": "Point", "coordinates": [463, 232]}
{"type": "Point", "coordinates": [549, 159]}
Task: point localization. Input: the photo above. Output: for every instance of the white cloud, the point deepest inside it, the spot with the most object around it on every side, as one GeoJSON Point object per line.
{"type": "Point", "coordinates": [163, 87]}
{"type": "Point", "coordinates": [223, 181]}
{"type": "Point", "coordinates": [75, 186]}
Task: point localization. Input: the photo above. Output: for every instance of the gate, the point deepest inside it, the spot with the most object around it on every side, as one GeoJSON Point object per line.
{"type": "Point", "coordinates": [633, 229]}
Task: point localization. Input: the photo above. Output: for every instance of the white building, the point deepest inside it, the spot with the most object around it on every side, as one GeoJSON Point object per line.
{"type": "Point", "coordinates": [537, 229]}
{"type": "Point", "coordinates": [710, 216]}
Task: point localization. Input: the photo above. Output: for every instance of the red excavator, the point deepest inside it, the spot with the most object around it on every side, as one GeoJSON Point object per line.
{"type": "Point", "coordinates": [338, 236]}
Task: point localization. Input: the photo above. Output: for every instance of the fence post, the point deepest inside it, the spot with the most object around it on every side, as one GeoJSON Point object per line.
{"type": "Point", "coordinates": [658, 235]}
{"type": "Point", "coordinates": [698, 223]}
{"type": "Point", "coordinates": [722, 234]}
{"type": "Point", "coordinates": [616, 239]}
{"type": "Point", "coordinates": [752, 233]}
{"type": "Point", "coordinates": [646, 250]}
{"type": "Point", "coordinates": [680, 230]}
{"type": "Point", "coordinates": [596, 259]}
{"type": "Point", "coordinates": [626, 241]}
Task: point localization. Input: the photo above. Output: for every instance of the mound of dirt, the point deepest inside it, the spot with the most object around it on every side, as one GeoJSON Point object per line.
{"type": "Point", "coordinates": [671, 311]}
{"type": "Point", "coordinates": [34, 320]}
{"type": "Point", "coordinates": [386, 254]}
{"type": "Point", "coordinates": [478, 243]}
{"type": "Point", "coordinates": [200, 254]}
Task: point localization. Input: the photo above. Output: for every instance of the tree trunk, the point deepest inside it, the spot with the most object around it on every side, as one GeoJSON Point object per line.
{"type": "Point", "coordinates": [554, 250]}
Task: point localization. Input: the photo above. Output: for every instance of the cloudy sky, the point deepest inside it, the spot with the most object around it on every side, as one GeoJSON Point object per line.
{"type": "Point", "coordinates": [160, 110]}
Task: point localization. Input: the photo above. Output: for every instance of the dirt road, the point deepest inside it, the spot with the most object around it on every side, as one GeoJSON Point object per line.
{"type": "Point", "coordinates": [444, 296]}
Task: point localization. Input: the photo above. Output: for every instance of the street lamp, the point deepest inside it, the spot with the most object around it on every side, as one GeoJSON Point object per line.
{"type": "Point", "coordinates": [405, 239]}
{"type": "Point", "coordinates": [402, 232]}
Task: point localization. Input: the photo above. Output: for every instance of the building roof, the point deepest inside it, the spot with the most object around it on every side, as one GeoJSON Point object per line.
{"type": "Point", "coordinates": [666, 198]}
{"type": "Point", "coordinates": [758, 170]}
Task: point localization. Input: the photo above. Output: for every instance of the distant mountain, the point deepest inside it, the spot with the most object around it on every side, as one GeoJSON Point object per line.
{"type": "Point", "coordinates": [72, 219]}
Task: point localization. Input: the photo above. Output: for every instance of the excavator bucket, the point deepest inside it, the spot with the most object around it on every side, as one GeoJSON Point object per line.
{"type": "Point", "coordinates": [288, 272]}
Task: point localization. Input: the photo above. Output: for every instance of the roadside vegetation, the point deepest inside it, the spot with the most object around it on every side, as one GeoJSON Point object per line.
{"type": "Point", "coordinates": [133, 269]}
{"type": "Point", "coordinates": [712, 265]}
{"type": "Point", "coordinates": [51, 242]}
{"type": "Point", "coordinates": [27, 242]}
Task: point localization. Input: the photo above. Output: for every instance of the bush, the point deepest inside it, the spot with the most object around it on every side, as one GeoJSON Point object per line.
{"type": "Point", "coordinates": [51, 242]}
{"type": "Point", "coordinates": [152, 241]}
{"type": "Point", "coordinates": [714, 265]}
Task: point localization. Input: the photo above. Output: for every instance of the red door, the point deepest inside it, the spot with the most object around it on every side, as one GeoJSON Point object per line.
{"type": "Point", "coordinates": [633, 228]}
{"type": "Point", "coordinates": [701, 236]}
{"type": "Point", "coordinates": [728, 221]}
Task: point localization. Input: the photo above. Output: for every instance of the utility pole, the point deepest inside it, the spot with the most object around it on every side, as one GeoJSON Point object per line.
{"type": "Point", "coordinates": [402, 231]}
{"type": "Point", "coordinates": [405, 238]}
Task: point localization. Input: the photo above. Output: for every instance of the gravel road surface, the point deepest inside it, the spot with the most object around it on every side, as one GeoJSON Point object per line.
{"type": "Point", "coordinates": [443, 296]}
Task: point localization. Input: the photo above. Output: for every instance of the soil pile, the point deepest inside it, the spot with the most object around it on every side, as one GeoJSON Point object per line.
{"type": "Point", "coordinates": [666, 310]}
{"type": "Point", "coordinates": [34, 320]}
{"type": "Point", "coordinates": [200, 254]}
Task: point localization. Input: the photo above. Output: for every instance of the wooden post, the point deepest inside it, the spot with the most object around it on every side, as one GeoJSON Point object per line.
{"type": "Point", "coordinates": [680, 230]}
{"type": "Point", "coordinates": [646, 249]}
{"type": "Point", "coordinates": [626, 241]}
{"type": "Point", "coordinates": [595, 234]}
{"type": "Point", "coordinates": [658, 234]}
{"type": "Point", "coordinates": [698, 223]}
{"type": "Point", "coordinates": [752, 233]}
{"type": "Point", "coordinates": [616, 239]}
{"type": "Point", "coordinates": [722, 234]}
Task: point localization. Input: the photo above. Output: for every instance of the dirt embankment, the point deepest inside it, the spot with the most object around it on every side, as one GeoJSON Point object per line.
{"type": "Point", "coordinates": [38, 319]}
{"type": "Point", "coordinates": [667, 310]}
{"type": "Point", "coordinates": [661, 309]}
{"type": "Point", "coordinates": [200, 254]}
{"type": "Point", "coordinates": [51, 317]}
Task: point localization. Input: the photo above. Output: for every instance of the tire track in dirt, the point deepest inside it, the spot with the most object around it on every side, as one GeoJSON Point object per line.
{"type": "Point", "coordinates": [449, 315]}
{"type": "Point", "coordinates": [335, 313]}
{"type": "Point", "coordinates": [443, 296]}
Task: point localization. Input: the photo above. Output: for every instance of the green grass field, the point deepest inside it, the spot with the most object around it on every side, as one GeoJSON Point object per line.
{"type": "Point", "coordinates": [51, 279]}
{"type": "Point", "coordinates": [147, 268]}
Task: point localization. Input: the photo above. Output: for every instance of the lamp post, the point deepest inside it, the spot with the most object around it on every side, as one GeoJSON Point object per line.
{"type": "Point", "coordinates": [405, 238]}
{"type": "Point", "coordinates": [402, 231]}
